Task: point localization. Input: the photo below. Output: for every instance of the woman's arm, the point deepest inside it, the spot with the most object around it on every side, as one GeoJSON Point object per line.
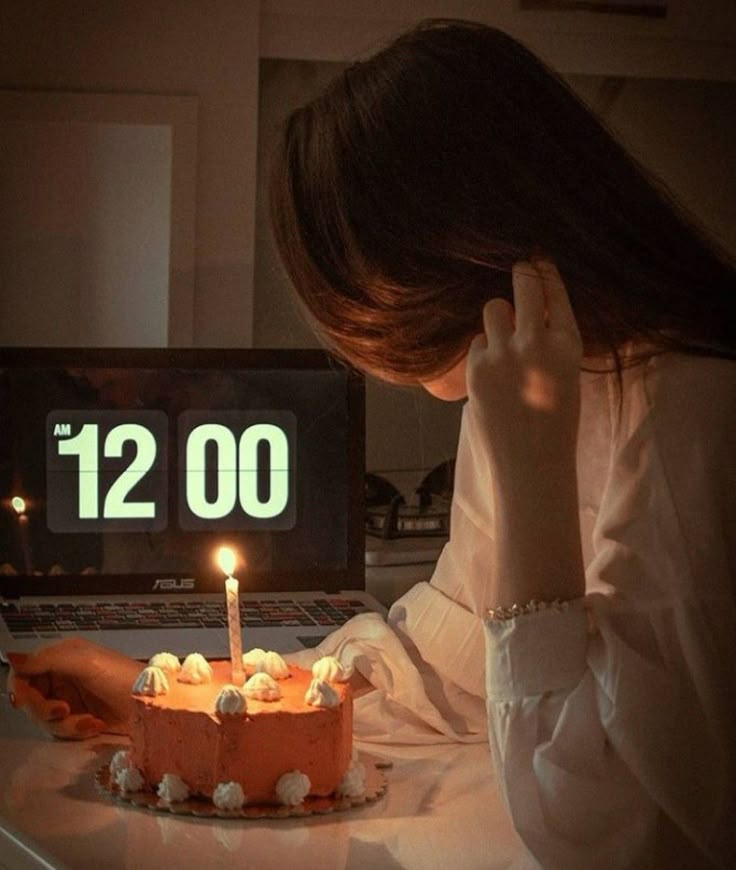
{"type": "Point", "coordinates": [523, 383]}
{"type": "Point", "coordinates": [613, 744]}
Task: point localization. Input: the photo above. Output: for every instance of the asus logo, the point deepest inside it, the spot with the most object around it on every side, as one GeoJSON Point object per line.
{"type": "Point", "coordinates": [170, 584]}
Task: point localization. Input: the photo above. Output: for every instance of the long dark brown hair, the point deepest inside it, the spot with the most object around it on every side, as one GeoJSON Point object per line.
{"type": "Point", "coordinates": [403, 194]}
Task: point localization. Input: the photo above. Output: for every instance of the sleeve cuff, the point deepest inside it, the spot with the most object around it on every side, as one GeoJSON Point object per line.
{"type": "Point", "coordinates": [538, 652]}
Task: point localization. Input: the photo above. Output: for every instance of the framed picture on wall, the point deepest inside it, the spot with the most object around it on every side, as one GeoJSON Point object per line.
{"type": "Point", "coordinates": [97, 192]}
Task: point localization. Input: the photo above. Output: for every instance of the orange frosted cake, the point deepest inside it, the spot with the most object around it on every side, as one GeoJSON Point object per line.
{"type": "Point", "coordinates": [284, 735]}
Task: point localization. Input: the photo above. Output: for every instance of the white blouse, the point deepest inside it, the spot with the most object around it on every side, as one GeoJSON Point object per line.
{"type": "Point", "coordinates": [611, 724]}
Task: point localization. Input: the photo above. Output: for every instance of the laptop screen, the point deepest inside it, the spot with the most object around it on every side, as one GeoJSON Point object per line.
{"type": "Point", "coordinates": [125, 470]}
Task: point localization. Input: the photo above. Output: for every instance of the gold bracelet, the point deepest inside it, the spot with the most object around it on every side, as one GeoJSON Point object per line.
{"type": "Point", "coordinates": [533, 606]}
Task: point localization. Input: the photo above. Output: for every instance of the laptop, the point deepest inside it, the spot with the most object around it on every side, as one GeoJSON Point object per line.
{"type": "Point", "coordinates": [124, 472]}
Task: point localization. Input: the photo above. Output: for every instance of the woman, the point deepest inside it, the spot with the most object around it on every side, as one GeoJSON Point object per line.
{"type": "Point", "coordinates": [452, 216]}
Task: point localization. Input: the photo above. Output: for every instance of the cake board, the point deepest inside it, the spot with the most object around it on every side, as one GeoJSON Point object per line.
{"type": "Point", "coordinates": [375, 787]}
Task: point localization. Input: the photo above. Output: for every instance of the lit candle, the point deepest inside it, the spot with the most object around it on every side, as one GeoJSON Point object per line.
{"type": "Point", "coordinates": [19, 506]}
{"type": "Point", "coordinates": [226, 559]}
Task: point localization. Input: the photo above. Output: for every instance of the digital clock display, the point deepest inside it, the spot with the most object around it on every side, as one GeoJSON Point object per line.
{"type": "Point", "coordinates": [128, 468]}
{"type": "Point", "coordinates": [237, 470]}
{"type": "Point", "coordinates": [108, 470]}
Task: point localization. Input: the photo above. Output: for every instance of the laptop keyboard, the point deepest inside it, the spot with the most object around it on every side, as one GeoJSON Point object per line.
{"type": "Point", "coordinates": [37, 620]}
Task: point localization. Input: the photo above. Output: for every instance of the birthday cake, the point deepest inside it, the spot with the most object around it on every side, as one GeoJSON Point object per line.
{"type": "Point", "coordinates": [284, 735]}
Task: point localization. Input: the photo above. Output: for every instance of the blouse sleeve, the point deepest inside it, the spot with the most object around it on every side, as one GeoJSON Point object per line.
{"type": "Point", "coordinates": [612, 722]}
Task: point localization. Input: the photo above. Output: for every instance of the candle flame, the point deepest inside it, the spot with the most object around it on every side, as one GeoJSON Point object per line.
{"type": "Point", "coordinates": [19, 504]}
{"type": "Point", "coordinates": [226, 560]}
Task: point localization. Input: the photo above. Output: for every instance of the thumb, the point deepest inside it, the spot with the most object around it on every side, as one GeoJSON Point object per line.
{"type": "Point", "coordinates": [77, 726]}
{"type": "Point", "coordinates": [25, 664]}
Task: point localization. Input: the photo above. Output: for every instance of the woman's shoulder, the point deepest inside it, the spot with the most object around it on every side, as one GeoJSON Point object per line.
{"type": "Point", "coordinates": [690, 421]}
{"type": "Point", "coordinates": [678, 456]}
{"type": "Point", "coordinates": [687, 390]}
{"type": "Point", "coordinates": [670, 396]}
{"type": "Point", "coordinates": [680, 405]}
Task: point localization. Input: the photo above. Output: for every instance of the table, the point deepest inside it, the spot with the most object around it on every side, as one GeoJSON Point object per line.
{"type": "Point", "coordinates": [441, 811]}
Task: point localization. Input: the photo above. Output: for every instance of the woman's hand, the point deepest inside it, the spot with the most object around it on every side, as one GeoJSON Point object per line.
{"type": "Point", "coordinates": [74, 689]}
{"type": "Point", "coordinates": [523, 377]}
{"type": "Point", "coordinates": [524, 373]}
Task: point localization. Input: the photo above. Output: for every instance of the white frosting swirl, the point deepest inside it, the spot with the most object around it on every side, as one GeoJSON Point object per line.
{"type": "Point", "coordinates": [263, 687]}
{"type": "Point", "coordinates": [228, 796]}
{"type": "Point", "coordinates": [167, 661]}
{"type": "Point", "coordinates": [172, 789]}
{"type": "Point", "coordinates": [151, 681]}
{"type": "Point", "coordinates": [252, 660]}
{"type": "Point", "coordinates": [353, 783]}
{"type": "Point", "coordinates": [328, 668]}
{"type": "Point", "coordinates": [119, 761]}
{"type": "Point", "coordinates": [195, 670]}
{"type": "Point", "coordinates": [273, 665]}
{"type": "Point", "coordinates": [293, 787]}
{"type": "Point", "coordinates": [129, 779]}
{"type": "Point", "coordinates": [230, 701]}
{"type": "Point", "coordinates": [321, 694]}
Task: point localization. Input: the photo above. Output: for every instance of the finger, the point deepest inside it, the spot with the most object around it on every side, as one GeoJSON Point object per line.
{"type": "Point", "coordinates": [29, 664]}
{"type": "Point", "coordinates": [529, 301]}
{"type": "Point", "coordinates": [64, 656]}
{"type": "Point", "coordinates": [559, 308]}
{"type": "Point", "coordinates": [498, 321]}
{"type": "Point", "coordinates": [475, 348]}
{"type": "Point", "coordinates": [24, 696]}
{"type": "Point", "coordinates": [16, 660]}
{"type": "Point", "coordinates": [78, 726]}
{"type": "Point", "coordinates": [478, 343]}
